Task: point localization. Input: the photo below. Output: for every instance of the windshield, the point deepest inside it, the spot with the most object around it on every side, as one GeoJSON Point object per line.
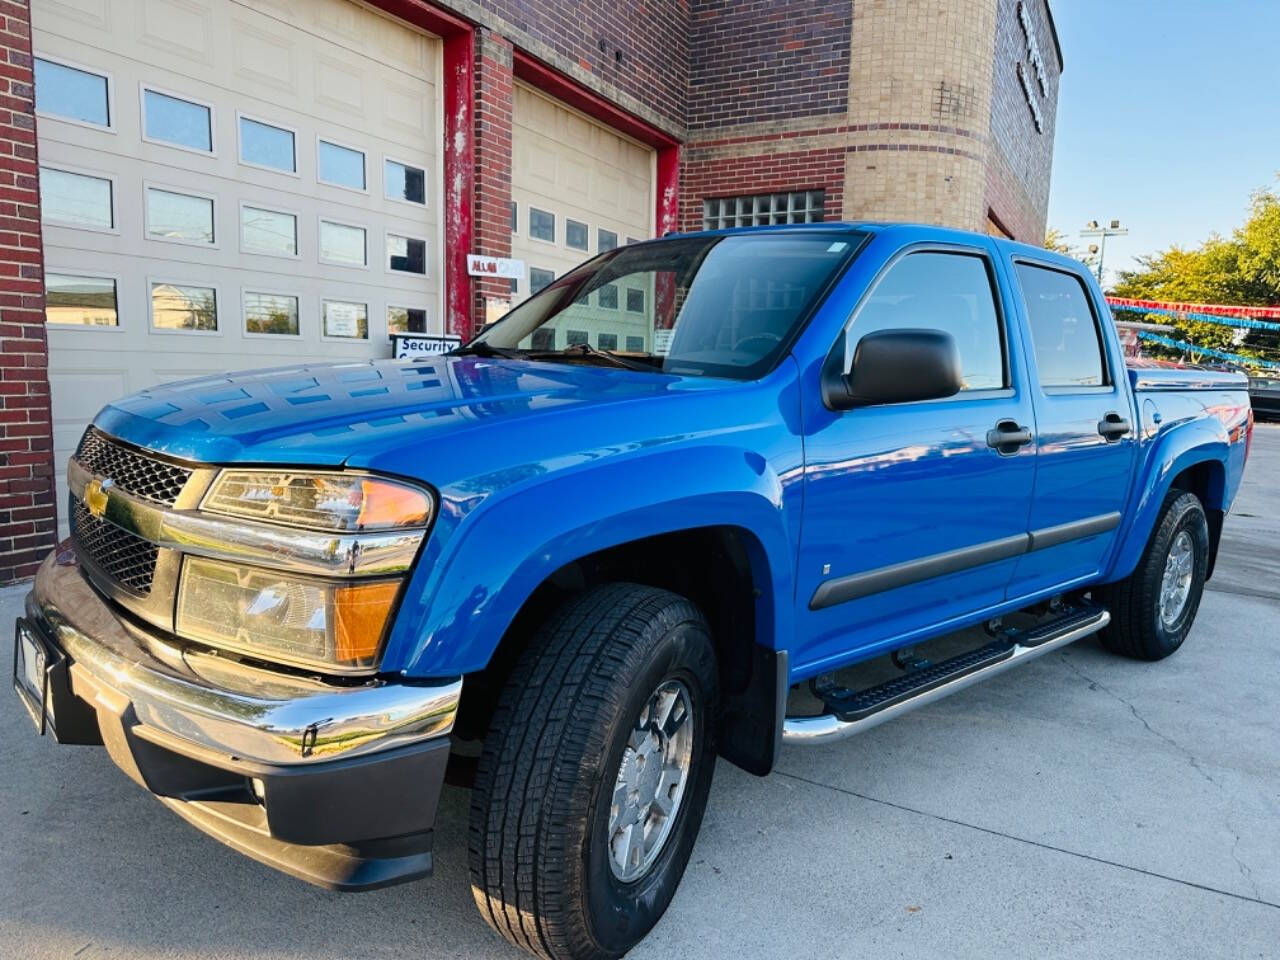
{"type": "Point", "coordinates": [724, 306]}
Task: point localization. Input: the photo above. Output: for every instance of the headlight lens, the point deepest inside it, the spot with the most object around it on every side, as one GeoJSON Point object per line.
{"type": "Point", "coordinates": [284, 618]}
{"type": "Point", "coordinates": [319, 501]}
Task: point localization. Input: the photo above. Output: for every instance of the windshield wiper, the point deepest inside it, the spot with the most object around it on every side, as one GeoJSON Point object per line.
{"type": "Point", "coordinates": [482, 349]}
{"type": "Point", "coordinates": [587, 350]}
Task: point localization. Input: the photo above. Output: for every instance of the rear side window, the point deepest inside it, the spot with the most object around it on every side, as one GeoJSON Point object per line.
{"type": "Point", "coordinates": [1064, 329]}
{"type": "Point", "coordinates": [940, 291]}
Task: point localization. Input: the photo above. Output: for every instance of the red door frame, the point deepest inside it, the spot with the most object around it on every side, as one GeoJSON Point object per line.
{"type": "Point", "coordinates": [458, 37]}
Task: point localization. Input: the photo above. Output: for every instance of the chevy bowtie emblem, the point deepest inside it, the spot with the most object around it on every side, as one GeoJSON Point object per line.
{"type": "Point", "coordinates": [95, 496]}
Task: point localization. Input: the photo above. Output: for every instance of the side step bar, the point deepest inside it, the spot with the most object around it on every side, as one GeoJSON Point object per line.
{"type": "Point", "coordinates": [854, 712]}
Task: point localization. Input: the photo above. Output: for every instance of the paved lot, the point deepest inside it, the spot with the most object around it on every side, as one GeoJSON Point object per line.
{"type": "Point", "coordinates": [1083, 806]}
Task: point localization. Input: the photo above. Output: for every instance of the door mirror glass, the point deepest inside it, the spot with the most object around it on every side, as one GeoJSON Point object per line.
{"type": "Point", "coordinates": [900, 366]}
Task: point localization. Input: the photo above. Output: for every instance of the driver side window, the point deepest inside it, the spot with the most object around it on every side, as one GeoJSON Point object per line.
{"type": "Point", "coordinates": [951, 292]}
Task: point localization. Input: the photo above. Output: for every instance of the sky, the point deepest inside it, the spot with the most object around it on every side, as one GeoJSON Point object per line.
{"type": "Point", "coordinates": [1168, 118]}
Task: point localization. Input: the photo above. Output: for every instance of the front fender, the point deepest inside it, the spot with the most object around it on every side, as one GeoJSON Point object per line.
{"type": "Point", "coordinates": [472, 581]}
{"type": "Point", "coordinates": [1174, 449]}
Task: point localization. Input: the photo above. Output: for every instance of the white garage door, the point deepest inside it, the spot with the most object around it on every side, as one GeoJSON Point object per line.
{"type": "Point", "coordinates": [579, 188]}
{"type": "Point", "coordinates": [230, 184]}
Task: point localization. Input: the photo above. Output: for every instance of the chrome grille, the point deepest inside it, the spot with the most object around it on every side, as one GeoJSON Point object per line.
{"type": "Point", "coordinates": [128, 560]}
{"type": "Point", "coordinates": [130, 470]}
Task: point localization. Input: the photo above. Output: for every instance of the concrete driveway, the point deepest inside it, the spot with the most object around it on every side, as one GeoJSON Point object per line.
{"type": "Point", "coordinates": [1083, 806]}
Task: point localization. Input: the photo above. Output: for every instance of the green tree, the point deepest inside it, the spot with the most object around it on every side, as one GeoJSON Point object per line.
{"type": "Point", "coordinates": [1243, 270]}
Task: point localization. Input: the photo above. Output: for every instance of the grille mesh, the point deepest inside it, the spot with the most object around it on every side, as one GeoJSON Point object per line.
{"type": "Point", "coordinates": [129, 560]}
{"type": "Point", "coordinates": [131, 471]}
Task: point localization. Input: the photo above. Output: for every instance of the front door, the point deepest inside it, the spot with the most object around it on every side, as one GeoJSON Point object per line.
{"type": "Point", "coordinates": [912, 518]}
{"type": "Point", "coordinates": [1085, 451]}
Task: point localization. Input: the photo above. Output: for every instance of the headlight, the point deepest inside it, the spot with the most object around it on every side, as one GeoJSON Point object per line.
{"type": "Point", "coordinates": [288, 619]}
{"type": "Point", "coordinates": [319, 501]}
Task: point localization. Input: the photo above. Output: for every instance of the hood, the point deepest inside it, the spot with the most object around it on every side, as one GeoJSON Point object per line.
{"type": "Point", "coordinates": [360, 414]}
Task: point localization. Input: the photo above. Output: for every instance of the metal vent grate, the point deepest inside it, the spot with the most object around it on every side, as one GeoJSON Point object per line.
{"type": "Point", "coordinates": [126, 559]}
{"type": "Point", "coordinates": [131, 471]}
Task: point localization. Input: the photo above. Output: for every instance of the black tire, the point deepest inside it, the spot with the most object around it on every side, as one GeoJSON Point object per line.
{"type": "Point", "coordinates": [1137, 627]}
{"type": "Point", "coordinates": [540, 809]}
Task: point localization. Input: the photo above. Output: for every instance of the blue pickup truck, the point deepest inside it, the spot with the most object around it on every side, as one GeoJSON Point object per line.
{"type": "Point", "coordinates": [645, 520]}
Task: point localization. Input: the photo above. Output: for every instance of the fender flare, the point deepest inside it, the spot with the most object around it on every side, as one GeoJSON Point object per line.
{"type": "Point", "coordinates": [1176, 449]}
{"type": "Point", "coordinates": [463, 596]}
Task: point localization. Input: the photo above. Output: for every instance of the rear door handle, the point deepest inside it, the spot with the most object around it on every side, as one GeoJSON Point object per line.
{"type": "Point", "coordinates": [1113, 426]}
{"type": "Point", "coordinates": [1008, 436]}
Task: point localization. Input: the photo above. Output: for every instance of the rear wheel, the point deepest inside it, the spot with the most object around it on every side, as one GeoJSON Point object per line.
{"type": "Point", "coordinates": [595, 772]}
{"type": "Point", "coordinates": [1153, 609]}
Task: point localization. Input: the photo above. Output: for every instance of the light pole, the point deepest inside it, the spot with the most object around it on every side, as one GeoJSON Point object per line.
{"type": "Point", "coordinates": [1091, 229]}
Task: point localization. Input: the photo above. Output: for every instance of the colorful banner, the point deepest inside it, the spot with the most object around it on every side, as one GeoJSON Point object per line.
{"type": "Point", "coordinates": [1208, 351]}
{"type": "Point", "coordinates": [1220, 320]}
{"type": "Point", "coordinates": [1213, 309]}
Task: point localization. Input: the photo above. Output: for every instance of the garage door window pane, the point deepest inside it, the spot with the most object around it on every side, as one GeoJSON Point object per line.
{"type": "Point", "coordinates": [933, 291]}
{"type": "Point", "coordinates": [635, 301]}
{"type": "Point", "coordinates": [404, 182]}
{"type": "Point", "coordinates": [180, 307]}
{"type": "Point", "coordinates": [542, 225]}
{"type": "Point", "coordinates": [178, 216]}
{"type": "Point", "coordinates": [575, 235]}
{"type": "Point", "coordinates": [266, 146]}
{"type": "Point", "coordinates": [635, 344]}
{"type": "Point", "coordinates": [406, 320]}
{"type": "Point", "coordinates": [80, 301]}
{"type": "Point", "coordinates": [606, 240]}
{"type": "Point", "coordinates": [64, 91]}
{"type": "Point", "coordinates": [539, 279]}
{"type": "Point", "coordinates": [340, 243]}
{"type": "Point", "coordinates": [515, 217]}
{"type": "Point", "coordinates": [607, 341]}
{"type": "Point", "coordinates": [406, 255]}
{"type": "Point", "coordinates": [176, 121]}
{"type": "Point", "coordinates": [341, 166]}
{"type": "Point", "coordinates": [268, 231]}
{"type": "Point", "coordinates": [346, 319]}
{"type": "Point", "coordinates": [607, 296]}
{"type": "Point", "coordinates": [1063, 328]}
{"type": "Point", "coordinates": [75, 199]}
{"type": "Point", "coordinates": [271, 313]}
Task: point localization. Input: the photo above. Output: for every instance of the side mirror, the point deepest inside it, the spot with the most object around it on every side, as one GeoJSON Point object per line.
{"type": "Point", "coordinates": [897, 366]}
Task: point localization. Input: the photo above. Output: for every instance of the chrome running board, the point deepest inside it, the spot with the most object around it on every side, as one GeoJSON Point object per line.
{"type": "Point", "coordinates": [873, 707]}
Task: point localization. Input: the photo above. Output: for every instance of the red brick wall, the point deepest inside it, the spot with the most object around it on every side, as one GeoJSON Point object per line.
{"type": "Point", "coordinates": [492, 210]}
{"type": "Point", "coordinates": [652, 37]}
{"type": "Point", "coordinates": [1021, 157]}
{"type": "Point", "coordinates": [754, 61]}
{"type": "Point", "coordinates": [27, 513]}
{"type": "Point", "coordinates": [705, 173]}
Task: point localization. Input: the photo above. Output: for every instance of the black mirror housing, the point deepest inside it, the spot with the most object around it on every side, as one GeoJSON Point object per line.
{"type": "Point", "coordinates": [899, 366]}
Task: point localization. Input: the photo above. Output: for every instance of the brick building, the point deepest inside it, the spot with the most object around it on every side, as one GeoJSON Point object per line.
{"type": "Point", "coordinates": [192, 186]}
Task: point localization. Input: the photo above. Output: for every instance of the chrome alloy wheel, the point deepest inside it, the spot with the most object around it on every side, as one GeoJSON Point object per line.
{"type": "Point", "coordinates": [651, 781]}
{"type": "Point", "coordinates": [1175, 587]}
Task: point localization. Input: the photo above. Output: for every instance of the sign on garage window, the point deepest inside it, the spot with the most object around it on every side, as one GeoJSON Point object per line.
{"type": "Point", "coordinates": [346, 320]}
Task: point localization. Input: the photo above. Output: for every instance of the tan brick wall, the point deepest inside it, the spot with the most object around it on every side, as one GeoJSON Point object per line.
{"type": "Point", "coordinates": [920, 90]}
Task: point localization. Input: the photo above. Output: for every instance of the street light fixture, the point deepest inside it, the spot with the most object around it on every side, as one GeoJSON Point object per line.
{"type": "Point", "coordinates": [1092, 229]}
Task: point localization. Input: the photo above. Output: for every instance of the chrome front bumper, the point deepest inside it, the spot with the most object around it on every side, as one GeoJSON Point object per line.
{"type": "Point", "coordinates": [335, 784]}
{"type": "Point", "coordinates": [199, 704]}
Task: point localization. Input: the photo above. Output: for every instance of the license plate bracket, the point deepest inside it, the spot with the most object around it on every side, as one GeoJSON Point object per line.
{"type": "Point", "coordinates": [35, 664]}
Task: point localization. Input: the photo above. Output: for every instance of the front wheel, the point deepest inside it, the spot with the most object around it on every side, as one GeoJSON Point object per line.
{"type": "Point", "coordinates": [1153, 609]}
{"type": "Point", "coordinates": [595, 772]}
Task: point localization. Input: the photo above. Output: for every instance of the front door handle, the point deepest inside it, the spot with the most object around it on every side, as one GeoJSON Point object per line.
{"type": "Point", "coordinates": [1008, 436]}
{"type": "Point", "coordinates": [1113, 426]}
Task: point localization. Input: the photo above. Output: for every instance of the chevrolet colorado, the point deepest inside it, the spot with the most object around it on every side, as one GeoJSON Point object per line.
{"type": "Point", "coordinates": [610, 540]}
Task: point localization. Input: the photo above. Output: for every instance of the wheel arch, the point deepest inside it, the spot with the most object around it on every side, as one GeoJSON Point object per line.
{"type": "Point", "coordinates": [723, 568]}
{"type": "Point", "coordinates": [1190, 457]}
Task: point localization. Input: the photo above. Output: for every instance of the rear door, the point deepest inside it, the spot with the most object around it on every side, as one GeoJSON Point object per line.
{"type": "Point", "coordinates": [912, 519]}
{"type": "Point", "coordinates": [1085, 438]}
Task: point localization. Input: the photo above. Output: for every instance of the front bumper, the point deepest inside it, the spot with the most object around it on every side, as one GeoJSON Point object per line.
{"type": "Point", "coordinates": [337, 785]}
